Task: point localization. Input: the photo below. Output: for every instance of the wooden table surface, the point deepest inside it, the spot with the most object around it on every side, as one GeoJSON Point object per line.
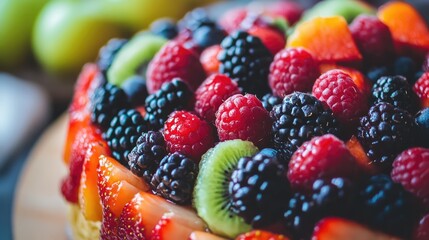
{"type": "Point", "coordinates": [39, 210]}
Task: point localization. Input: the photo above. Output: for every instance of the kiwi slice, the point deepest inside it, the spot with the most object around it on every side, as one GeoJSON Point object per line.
{"type": "Point", "coordinates": [211, 198]}
{"type": "Point", "coordinates": [137, 52]}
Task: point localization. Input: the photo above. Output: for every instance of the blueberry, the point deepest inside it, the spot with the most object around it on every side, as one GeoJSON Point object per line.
{"type": "Point", "coordinates": [206, 36]}
{"type": "Point", "coordinates": [135, 88]}
{"type": "Point", "coordinates": [406, 67]}
{"type": "Point", "coordinates": [422, 120]}
{"type": "Point", "coordinates": [376, 73]}
{"type": "Point", "coordinates": [164, 27]}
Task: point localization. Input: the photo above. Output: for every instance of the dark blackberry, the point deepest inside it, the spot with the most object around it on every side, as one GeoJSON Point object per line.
{"type": "Point", "coordinates": [245, 59]}
{"type": "Point", "coordinates": [299, 118]}
{"type": "Point", "coordinates": [106, 101]}
{"type": "Point", "coordinates": [164, 27]}
{"type": "Point", "coordinates": [422, 122]}
{"type": "Point", "coordinates": [387, 206]}
{"type": "Point", "coordinates": [175, 177]}
{"type": "Point", "coordinates": [172, 96]}
{"type": "Point", "coordinates": [145, 157]}
{"type": "Point", "coordinates": [385, 132]}
{"type": "Point", "coordinates": [108, 52]}
{"type": "Point", "coordinates": [123, 132]}
{"type": "Point", "coordinates": [396, 91]}
{"type": "Point", "coordinates": [269, 101]}
{"type": "Point", "coordinates": [136, 90]}
{"type": "Point", "coordinates": [258, 188]}
{"type": "Point", "coordinates": [300, 216]}
{"type": "Point", "coordinates": [406, 67]}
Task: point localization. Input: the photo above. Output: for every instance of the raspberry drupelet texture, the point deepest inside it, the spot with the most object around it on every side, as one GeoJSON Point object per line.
{"type": "Point", "coordinates": [123, 133]}
{"type": "Point", "coordinates": [175, 177]}
{"type": "Point", "coordinates": [145, 157]}
{"type": "Point", "coordinates": [299, 118]}
{"type": "Point", "coordinates": [245, 59]}
{"type": "Point", "coordinates": [293, 70]}
{"type": "Point", "coordinates": [174, 61]}
{"type": "Point", "coordinates": [212, 93]}
{"type": "Point", "coordinates": [385, 132]}
{"type": "Point", "coordinates": [337, 89]}
{"type": "Point", "coordinates": [172, 96]}
{"type": "Point", "coordinates": [106, 101]}
{"type": "Point", "coordinates": [411, 169]}
{"type": "Point", "coordinates": [258, 188]}
{"type": "Point", "coordinates": [108, 53]}
{"type": "Point", "coordinates": [187, 134]}
{"type": "Point", "coordinates": [244, 117]}
{"type": "Point", "coordinates": [421, 88]}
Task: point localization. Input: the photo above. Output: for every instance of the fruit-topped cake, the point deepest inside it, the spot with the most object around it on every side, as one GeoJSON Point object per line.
{"type": "Point", "coordinates": [269, 122]}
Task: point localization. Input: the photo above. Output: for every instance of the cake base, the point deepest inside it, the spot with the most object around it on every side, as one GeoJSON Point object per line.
{"type": "Point", "coordinates": [81, 228]}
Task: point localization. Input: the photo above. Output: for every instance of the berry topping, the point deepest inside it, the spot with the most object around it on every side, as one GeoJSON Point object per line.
{"type": "Point", "coordinates": [187, 134]}
{"type": "Point", "coordinates": [422, 231]}
{"type": "Point", "coordinates": [145, 157]}
{"type": "Point", "coordinates": [123, 132]}
{"type": "Point", "coordinates": [212, 93]}
{"type": "Point", "coordinates": [300, 215]}
{"type": "Point", "coordinates": [411, 170]}
{"type": "Point", "coordinates": [261, 235]}
{"type": "Point", "coordinates": [259, 188]}
{"type": "Point", "coordinates": [108, 52]}
{"type": "Point", "coordinates": [273, 39]}
{"type": "Point", "coordinates": [175, 177]}
{"type": "Point", "coordinates": [245, 59]}
{"type": "Point", "coordinates": [384, 132]}
{"type": "Point", "coordinates": [405, 67]}
{"type": "Point", "coordinates": [299, 118]}
{"type": "Point", "coordinates": [172, 96]}
{"type": "Point", "coordinates": [421, 88]}
{"type": "Point", "coordinates": [293, 69]}
{"type": "Point", "coordinates": [209, 59]}
{"type": "Point", "coordinates": [174, 61]}
{"type": "Point", "coordinates": [164, 27]}
{"type": "Point", "coordinates": [422, 121]}
{"type": "Point", "coordinates": [244, 117]}
{"type": "Point", "coordinates": [135, 88]}
{"type": "Point", "coordinates": [269, 101]}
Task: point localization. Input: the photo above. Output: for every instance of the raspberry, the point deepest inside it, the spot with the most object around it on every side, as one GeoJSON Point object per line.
{"type": "Point", "coordinates": [337, 89]}
{"type": "Point", "coordinates": [245, 59]}
{"type": "Point", "coordinates": [426, 63]}
{"type": "Point", "coordinates": [164, 27]}
{"type": "Point", "coordinates": [421, 88]}
{"type": "Point", "coordinates": [422, 231]}
{"type": "Point", "coordinates": [322, 157]}
{"type": "Point", "coordinates": [299, 118]}
{"type": "Point", "coordinates": [175, 178]}
{"type": "Point", "coordinates": [174, 61]}
{"type": "Point", "coordinates": [385, 132]}
{"type": "Point", "coordinates": [269, 101]}
{"type": "Point", "coordinates": [212, 93]}
{"type": "Point", "coordinates": [386, 206]}
{"type": "Point", "coordinates": [145, 157]}
{"type": "Point", "coordinates": [231, 19]}
{"type": "Point", "coordinates": [209, 59]}
{"type": "Point", "coordinates": [259, 202]}
{"type": "Point", "coordinates": [187, 134]}
{"type": "Point", "coordinates": [289, 10]}
{"type": "Point", "coordinates": [172, 96]}
{"type": "Point", "coordinates": [108, 52]}
{"type": "Point", "coordinates": [373, 39]}
{"type": "Point", "coordinates": [411, 170]}
{"type": "Point", "coordinates": [272, 39]}
{"type": "Point", "coordinates": [244, 117]}
{"type": "Point", "coordinates": [396, 91]}
{"type": "Point", "coordinates": [292, 70]}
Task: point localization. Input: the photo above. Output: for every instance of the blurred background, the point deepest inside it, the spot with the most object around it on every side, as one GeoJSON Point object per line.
{"type": "Point", "coordinates": [43, 46]}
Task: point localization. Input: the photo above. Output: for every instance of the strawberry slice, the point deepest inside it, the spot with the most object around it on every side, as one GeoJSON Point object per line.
{"type": "Point", "coordinates": [198, 235]}
{"type": "Point", "coordinates": [144, 213]}
{"type": "Point", "coordinates": [359, 154]}
{"type": "Point", "coordinates": [261, 235]}
{"type": "Point", "coordinates": [339, 229]}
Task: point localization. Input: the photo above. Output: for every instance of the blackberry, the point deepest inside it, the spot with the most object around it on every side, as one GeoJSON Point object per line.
{"type": "Point", "coordinates": [106, 101]}
{"type": "Point", "coordinates": [269, 101]}
{"type": "Point", "coordinates": [145, 157]}
{"type": "Point", "coordinates": [123, 132]}
{"type": "Point", "coordinates": [299, 118]}
{"type": "Point", "coordinates": [175, 177]}
{"type": "Point", "coordinates": [396, 91]}
{"type": "Point", "coordinates": [258, 188]}
{"type": "Point", "coordinates": [385, 132]}
{"type": "Point", "coordinates": [300, 216]}
{"type": "Point", "coordinates": [164, 27]}
{"type": "Point", "coordinates": [108, 52]}
{"type": "Point", "coordinates": [245, 59]}
{"type": "Point", "coordinates": [172, 96]}
{"type": "Point", "coordinates": [422, 122]}
{"type": "Point", "coordinates": [387, 206]}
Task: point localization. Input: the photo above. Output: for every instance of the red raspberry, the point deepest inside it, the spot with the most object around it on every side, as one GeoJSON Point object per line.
{"type": "Point", "coordinates": [212, 93]}
{"type": "Point", "coordinates": [209, 59]}
{"type": "Point", "coordinates": [289, 10]}
{"type": "Point", "coordinates": [421, 88]}
{"type": "Point", "coordinates": [426, 63]}
{"type": "Point", "coordinates": [274, 40]}
{"type": "Point", "coordinates": [292, 70]}
{"type": "Point", "coordinates": [411, 169]}
{"type": "Point", "coordinates": [187, 134]}
{"type": "Point", "coordinates": [174, 61]}
{"type": "Point", "coordinates": [244, 117]}
{"type": "Point", "coordinates": [422, 230]}
{"type": "Point", "coordinates": [322, 157]}
{"type": "Point", "coordinates": [373, 39]}
{"type": "Point", "coordinates": [231, 20]}
{"type": "Point", "coordinates": [338, 90]}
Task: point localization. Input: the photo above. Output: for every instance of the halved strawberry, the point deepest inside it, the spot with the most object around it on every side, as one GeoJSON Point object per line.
{"type": "Point", "coordinates": [143, 213]}
{"type": "Point", "coordinates": [170, 227]}
{"type": "Point", "coordinates": [198, 235]}
{"type": "Point", "coordinates": [359, 154]}
{"type": "Point", "coordinates": [261, 235]}
{"type": "Point", "coordinates": [333, 228]}
{"type": "Point", "coordinates": [272, 39]}
{"type": "Point", "coordinates": [208, 59]}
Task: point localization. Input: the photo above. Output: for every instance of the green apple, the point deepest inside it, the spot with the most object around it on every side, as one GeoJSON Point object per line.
{"type": "Point", "coordinates": [16, 22]}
